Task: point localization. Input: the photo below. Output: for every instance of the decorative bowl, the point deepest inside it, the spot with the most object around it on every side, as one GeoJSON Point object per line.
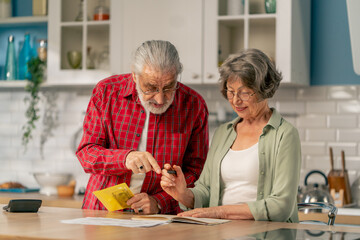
{"type": "Point", "coordinates": [49, 181]}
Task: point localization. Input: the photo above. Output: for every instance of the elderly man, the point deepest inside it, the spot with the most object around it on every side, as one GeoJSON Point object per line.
{"type": "Point", "coordinates": [135, 123]}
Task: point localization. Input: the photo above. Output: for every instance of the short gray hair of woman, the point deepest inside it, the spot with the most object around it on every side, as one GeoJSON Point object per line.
{"type": "Point", "coordinates": [254, 69]}
{"type": "Point", "coordinates": [158, 55]}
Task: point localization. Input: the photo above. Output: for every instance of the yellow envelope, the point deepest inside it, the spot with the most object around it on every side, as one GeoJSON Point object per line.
{"type": "Point", "coordinates": [115, 197]}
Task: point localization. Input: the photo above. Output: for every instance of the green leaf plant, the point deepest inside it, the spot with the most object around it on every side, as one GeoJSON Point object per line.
{"type": "Point", "coordinates": [36, 68]}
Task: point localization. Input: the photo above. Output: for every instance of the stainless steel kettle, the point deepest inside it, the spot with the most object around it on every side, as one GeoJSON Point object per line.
{"type": "Point", "coordinates": [316, 192]}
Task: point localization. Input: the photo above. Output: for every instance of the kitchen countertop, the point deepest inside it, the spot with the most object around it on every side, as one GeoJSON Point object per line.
{"type": "Point", "coordinates": [46, 225]}
{"type": "Point", "coordinates": [49, 201]}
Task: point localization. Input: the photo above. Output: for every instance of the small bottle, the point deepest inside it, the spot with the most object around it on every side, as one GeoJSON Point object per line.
{"type": "Point", "coordinates": [90, 64]}
{"type": "Point", "coordinates": [10, 64]}
{"type": "Point", "coordinates": [101, 12]}
{"type": "Point", "coordinates": [80, 15]}
{"type": "Point", "coordinates": [24, 56]}
{"type": "Point", "coordinates": [103, 60]}
{"type": "Point", "coordinates": [42, 49]}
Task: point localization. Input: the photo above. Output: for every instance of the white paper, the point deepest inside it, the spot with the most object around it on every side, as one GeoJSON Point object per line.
{"type": "Point", "coordinates": [114, 222]}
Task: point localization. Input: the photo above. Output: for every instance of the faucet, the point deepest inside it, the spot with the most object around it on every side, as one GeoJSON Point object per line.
{"type": "Point", "coordinates": [321, 205]}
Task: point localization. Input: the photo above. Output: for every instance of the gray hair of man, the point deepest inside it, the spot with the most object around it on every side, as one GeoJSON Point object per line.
{"type": "Point", "coordinates": [158, 55]}
{"type": "Point", "coordinates": [254, 69]}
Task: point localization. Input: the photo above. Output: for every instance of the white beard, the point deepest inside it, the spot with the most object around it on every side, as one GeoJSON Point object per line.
{"type": "Point", "coordinates": [147, 104]}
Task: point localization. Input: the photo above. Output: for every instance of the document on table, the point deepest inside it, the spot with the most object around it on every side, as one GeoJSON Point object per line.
{"type": "Point", "coordinates": [114, 222]}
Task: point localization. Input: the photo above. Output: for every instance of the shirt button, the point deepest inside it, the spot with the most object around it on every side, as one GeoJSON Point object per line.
{"type": "Point", "coordinates": [261, 193]}
{"type": "Point", "coordinates": [263, 153]}
{"type": "Point", "coordinates": [138, 135]}
{"type": "Point", "coordinates": [142, 111]}
{"type": "Point", "coordinates": [262, 172]}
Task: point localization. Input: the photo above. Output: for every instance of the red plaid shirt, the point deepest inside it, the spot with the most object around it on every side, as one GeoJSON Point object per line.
{"type": "Point", "coordinates": [113, 126]}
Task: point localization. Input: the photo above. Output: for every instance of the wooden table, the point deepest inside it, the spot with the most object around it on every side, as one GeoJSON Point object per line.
{"type": "Point", "coordinates": [48, 201]}
{"type": "Point", "coordinates": [46, 225]}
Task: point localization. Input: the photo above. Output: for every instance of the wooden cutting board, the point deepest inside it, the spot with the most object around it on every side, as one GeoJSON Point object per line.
{"type": "Point", "coordinates": [338, 178]}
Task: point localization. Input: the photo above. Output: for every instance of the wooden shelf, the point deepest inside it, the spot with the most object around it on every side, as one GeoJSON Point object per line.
{"type": "Point", "coordinates": [24, 21]}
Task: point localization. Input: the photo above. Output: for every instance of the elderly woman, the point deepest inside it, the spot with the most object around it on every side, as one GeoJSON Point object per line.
{"type": "Point", "coordinates": [253, 164]}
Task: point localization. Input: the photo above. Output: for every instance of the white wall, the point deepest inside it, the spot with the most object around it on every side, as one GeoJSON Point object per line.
{"type": "Point", "coordinates": [325, 116]}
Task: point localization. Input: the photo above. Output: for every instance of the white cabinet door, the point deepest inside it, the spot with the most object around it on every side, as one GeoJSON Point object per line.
{"type": "Point", "coordinates": [65, 34]}
{"type": "Point", "coordinates": [284, 36]}
{"type": "Point", "coordinates": [177, 21]}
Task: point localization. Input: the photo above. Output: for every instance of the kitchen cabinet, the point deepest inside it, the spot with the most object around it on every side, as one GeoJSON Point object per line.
{"type": "Point", "coordinates": [201, 30]}
{"type": "Point", "coordinates": [18, 26]}
{"type": "Point", "coordinates": [284, 36]}
{"type": "Point", "coordinates": [96, 41]}
{"type": "Point", "coordinates": [179, 22]}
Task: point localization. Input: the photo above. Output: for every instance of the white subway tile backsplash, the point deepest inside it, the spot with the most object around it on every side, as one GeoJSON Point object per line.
{"type": "Point", "coordinates": [323, 135]}
{"type": "Point", "coordinates": [320, 107]}
{"type": "Point", "coordinates": [313, 148]}
{"type": "Point", "coordinates": [342, 92]}
{"type": "Point", "coordinates": [311, 121]}
{"type": "Point", "coordinates": [350, 149]}
{"type": "Point", "coordinates": [5, 96]}
{"type": "Point", "coordinates": [8, 129]}
{"type": "Point", "coordinates": [291, 107]}
{"type": "Point", "coordinates": [285, 94]}
{"type": "Point", "coordinates": [347, 107]}
{"type": "Point", "coordinates": [321, 163]}
{"type": "Point", "coordinates": [349, 135]}
{"type": "Point", "coordinates": [312, 93]}
{"type": "Point", "coordinates": [342, 121]}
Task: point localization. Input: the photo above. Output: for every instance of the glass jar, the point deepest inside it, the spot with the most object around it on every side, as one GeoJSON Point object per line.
{"type": "Point", "coordinates": [270, 6]}
{"type": "Point", "coordinates": [42, 49]}
{"type": "Point", "coordinates": [103, 59]}
{"type": "Point", "coordinates": [25, 55]}
{"type": "Point", "coordinates": [10, 64]}
{"type": "Point", "coordinates": [101, 12]}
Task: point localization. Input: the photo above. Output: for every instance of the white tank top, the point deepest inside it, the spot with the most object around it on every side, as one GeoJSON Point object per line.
{"type": "Point", "coordinates": [239, 175]}
{"type": "Point", "coordinates": [137, 180]}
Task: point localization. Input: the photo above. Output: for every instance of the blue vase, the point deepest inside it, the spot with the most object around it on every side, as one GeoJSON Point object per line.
{"type": "Point", "coordinates": [10, 64]}
{"type": "Point", "coordinates": [24, 57]}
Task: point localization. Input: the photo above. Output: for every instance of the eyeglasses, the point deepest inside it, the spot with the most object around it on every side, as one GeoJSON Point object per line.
{"type": "Point", "coordinates": [164, 91]}
{"type": "Point", "coordinates": [244, 96]}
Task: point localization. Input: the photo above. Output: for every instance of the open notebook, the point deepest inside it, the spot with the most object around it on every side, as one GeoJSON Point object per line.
{"type": "Point", "coordinates": [174, 218]}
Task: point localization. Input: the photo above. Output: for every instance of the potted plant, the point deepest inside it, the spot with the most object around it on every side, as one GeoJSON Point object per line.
{"type": "Point", "coordinates": [36, 68]}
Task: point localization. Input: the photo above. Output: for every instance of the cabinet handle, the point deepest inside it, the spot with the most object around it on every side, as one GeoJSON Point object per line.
{"type": "Point", "coordinates": [210, 75]}
{"type": "Point", "coordinates": [195, 76]}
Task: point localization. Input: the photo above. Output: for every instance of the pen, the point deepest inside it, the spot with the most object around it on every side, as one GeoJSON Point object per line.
{"type": "Point", "coordinates": [172, 171]}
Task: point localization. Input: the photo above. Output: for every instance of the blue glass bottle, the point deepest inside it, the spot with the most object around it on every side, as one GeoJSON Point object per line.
{"type": "Point", "coordinates": [24, 56]}
{"type": "Point", "coordinates": [10, 64]}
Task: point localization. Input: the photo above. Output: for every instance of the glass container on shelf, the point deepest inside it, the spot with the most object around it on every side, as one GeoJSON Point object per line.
{"type": "Point", "coordinates": [90, 60]}
{"type": "Point", "coordinates": [25, 55]}
{"type": "Point", "coordinates": [103, 60]}
{"type": "Point", "coordinates": [235, 7]}
{"type": "Point", "coordinates": [101, 12]}
{"type": "Point", "coordinates": [80, 15]}
{"type": "Point", "coordinates": [270, 6]}
{"type": "Point", "coordinates": [42, 49]}
{"type": "Point", "coordinates": [10, 64]}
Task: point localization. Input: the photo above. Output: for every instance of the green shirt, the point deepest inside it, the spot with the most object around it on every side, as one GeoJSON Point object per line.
{"type": "Point", "coordinates": [279, 170]}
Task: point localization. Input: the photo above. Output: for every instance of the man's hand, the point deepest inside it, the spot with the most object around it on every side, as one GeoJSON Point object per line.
{"type": "Point", "coordinates": [141, 162]}
{"type": "Point", "coordinates": [144, 204]}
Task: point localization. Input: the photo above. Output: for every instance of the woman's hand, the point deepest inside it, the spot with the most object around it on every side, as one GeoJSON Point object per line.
{"type": "Point", "coordinates": [211, 212]}
{"type": "Point", "coordinates": [175, 185]}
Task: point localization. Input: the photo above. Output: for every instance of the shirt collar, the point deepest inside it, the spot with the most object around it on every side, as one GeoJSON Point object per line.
{"type": "Point", "coordinates": [130, 88]}
{"type": "Point", "coordinates": [274, 121]}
